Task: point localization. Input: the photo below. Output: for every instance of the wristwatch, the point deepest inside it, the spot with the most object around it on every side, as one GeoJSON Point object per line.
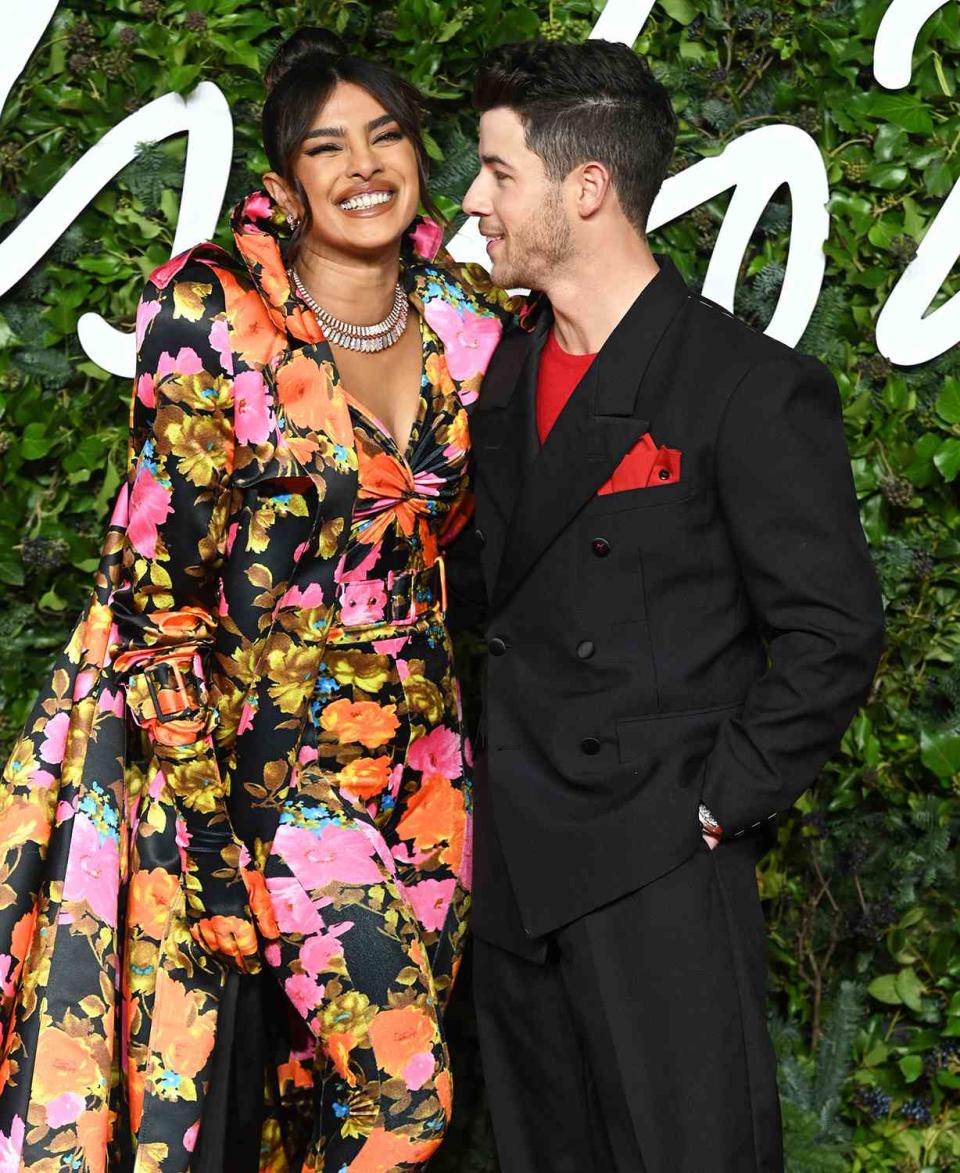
{"type": "Point", "coordinates": [708, 822]}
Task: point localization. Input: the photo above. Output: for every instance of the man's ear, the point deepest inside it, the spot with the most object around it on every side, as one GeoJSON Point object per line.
{"type": "Point", "coordinates": [592, 188]}
{"type": "Point", "coordinates": [282, 195]}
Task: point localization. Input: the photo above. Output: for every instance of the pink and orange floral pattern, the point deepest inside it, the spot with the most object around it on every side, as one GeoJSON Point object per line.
{"type": "Point", "coordinates": [309, 796]}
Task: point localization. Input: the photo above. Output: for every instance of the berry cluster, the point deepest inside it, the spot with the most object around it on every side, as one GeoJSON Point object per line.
{"type": "Point", "coordinates": [923, 562]}
{"type": "Point", "coordinates": [44, 554]}
{"type": "Point", "coordinates": [916, 1110]}
{"type": "Point", "coordinates": [943, 1057]}
{"type": "Point", "coordinates": [855, 170]}
{"type": "Point", "coordinates": [903, 250]}
{"type": "Point", "coordinates": [81, 42]}
{"type": "Point", "coordinates": [898, 491]}
{"type": "Point", "coordinates": [873, 1101]}
{"type": "Point", "coordinates": [875, 367]}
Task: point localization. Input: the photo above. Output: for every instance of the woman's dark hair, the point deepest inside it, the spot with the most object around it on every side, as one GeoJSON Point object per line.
{"type": "Point", "coordinates": [301, 77]}
{"type": "Point", "coordinates": [596, 101]}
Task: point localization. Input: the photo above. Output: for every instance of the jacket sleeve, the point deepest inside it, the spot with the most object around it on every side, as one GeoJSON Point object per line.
{"type": "Point", "coordinates": [180, 463]}
{"type": "Point", "coordinates": [180, 460]}
{"type": "Point", "coordinates": [786, 495]}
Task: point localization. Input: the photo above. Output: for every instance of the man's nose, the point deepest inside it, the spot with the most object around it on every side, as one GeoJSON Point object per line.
{"type": "Point", "coordinates": [474, 202]}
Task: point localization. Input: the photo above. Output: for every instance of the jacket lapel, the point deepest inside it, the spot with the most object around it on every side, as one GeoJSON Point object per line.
{"type": "Point", "coordinates": [605, 416]}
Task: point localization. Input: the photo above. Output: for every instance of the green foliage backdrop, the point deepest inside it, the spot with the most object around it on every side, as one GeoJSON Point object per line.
{"type": "Point", "coordinates": [862, 892]}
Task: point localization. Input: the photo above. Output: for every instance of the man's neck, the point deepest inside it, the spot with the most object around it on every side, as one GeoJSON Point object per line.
{"type": "Point", "coordinates": [591, 298]}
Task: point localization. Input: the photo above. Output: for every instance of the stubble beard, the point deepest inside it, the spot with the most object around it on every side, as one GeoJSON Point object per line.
{"type": "Point", "coordinates": [538, 248]}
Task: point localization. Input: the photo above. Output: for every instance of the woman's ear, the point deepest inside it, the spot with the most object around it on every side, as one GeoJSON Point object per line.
{"type": "Point", "coordinates": [282, 195]}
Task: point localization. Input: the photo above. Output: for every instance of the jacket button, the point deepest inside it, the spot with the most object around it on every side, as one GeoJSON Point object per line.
{"type": "Point", "coordinates": [496, 646]}
{"type": "Point", "coordinates": [585, 649]}
{"type": "Point", "coordinates": [600, 547]}
{"type": "Point", "coordinates": [664, 474]}
{"type": "Point", "coordinates": [590, 746]}
{"type": "Point", "coordinates": [480, 536]}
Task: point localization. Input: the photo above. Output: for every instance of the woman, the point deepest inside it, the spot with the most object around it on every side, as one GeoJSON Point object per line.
{"type": "Point", "coordinates": [258, 708]}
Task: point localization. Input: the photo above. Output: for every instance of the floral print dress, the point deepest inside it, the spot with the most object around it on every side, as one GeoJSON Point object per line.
{"type": "Point", "coordinates": [256, 710]}
{"type": "Point", "coordinates": [369, 870]}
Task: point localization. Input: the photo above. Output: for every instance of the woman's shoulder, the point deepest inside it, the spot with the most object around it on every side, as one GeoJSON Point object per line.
{"type": "Point", "coordinates": [203, 264]}
{"type": "Point", "coordinates": [467, 284]}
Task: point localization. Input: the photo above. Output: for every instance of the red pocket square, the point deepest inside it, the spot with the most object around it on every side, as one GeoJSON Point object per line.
{"type": "Point", "coordinates": [644, 466]}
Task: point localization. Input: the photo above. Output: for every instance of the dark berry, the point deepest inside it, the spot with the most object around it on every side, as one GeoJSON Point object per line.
{"type": "Point", "coordinates": [922, 563]}
{"type": "Point", "coordinates": [903, 250]}
{"type": "Point", "coordinates": [917, 1110]}
{"type": "Point", "coordinates": [898, 491]}
{"type": "Point", "coordinates": [872, 1100]}
{"type": "Point", "coordinates": [44, 554]}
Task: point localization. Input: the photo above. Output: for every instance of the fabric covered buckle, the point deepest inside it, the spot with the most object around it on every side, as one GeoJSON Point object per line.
{"type": "Point", "coordinates": [164, 692]}
{"type": "Point", "coordinates": [396, 600]}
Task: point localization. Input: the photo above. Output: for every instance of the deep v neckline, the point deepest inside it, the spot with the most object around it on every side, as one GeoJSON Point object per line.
{"type": "Point", "coordinates": [413, 436]}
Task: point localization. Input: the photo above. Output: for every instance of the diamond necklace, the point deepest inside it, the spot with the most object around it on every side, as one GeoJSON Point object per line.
{"type": "Point", "coordinates": [352, 337]}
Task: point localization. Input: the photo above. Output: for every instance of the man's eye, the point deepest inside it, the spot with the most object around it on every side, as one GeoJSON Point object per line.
{"type": "Point", "coordinates": [499, 176]}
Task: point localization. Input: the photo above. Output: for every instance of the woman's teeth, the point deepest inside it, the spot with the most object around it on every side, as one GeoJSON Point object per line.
{"type": "Point", "coordinates": [367, 201]}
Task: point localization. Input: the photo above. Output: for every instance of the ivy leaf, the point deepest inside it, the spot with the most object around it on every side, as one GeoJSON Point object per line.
{"type": "Point", "coordinates": [884, 989]}
{"type": "Point", "coordinates": [887, 176]}
{"type": "Point", "coordinates": [51, 601]}
{"type": "Point", "coordinates": [938, 179]}
{"type": "Point", "coordinates": [900, 109]}
{"type": "Point", "coordinates": [36, 442]}
{"type": "Point", "coordinates": [11, 570]}
{"type": "Point", "coordinates": [910, 988]}
{"type": "Point", "coordinates": [681, 10]}
{"type": "Point", "coordinates": [947, 459]}
{"type": "Point", "coordinates": [911, 1066]}
{"type": "Point", "coordinates": [940, 751]}
{"type": "Point", "coordinates": [948, 401]}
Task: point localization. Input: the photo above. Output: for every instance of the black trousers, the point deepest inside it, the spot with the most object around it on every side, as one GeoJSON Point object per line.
{"type": "Point", "coordinates": [640, 1045]}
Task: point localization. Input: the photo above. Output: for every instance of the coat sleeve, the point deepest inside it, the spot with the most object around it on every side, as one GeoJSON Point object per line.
{"type": "Point", "coordinates": [180, 460]}
{"type": "Point", "coordinates": [787, 497]}
{"type": "Point", "coordinates": [179, 512]}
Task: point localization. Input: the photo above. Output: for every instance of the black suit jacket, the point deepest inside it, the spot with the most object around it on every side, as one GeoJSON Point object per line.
{"type": "Point", "coordinates": [704, 640]}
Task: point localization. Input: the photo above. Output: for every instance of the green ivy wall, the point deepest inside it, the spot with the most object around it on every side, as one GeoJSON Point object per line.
{"type": "Point", "coordinates": [862, 892]}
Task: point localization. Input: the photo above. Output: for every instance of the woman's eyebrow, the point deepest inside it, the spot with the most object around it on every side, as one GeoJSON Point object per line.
{"type": "Point", "coordinates": [340, 131]}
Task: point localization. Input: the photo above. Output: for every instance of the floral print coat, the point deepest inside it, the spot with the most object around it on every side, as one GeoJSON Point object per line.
{"type": "Point", "coordinates": [158, 757]}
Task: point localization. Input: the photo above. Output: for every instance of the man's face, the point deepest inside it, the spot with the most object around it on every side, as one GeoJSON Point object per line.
{"type": "Point", "coordinates": [522, 211]}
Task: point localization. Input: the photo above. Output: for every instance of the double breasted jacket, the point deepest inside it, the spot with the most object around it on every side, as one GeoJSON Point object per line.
{"type": "Point", "coordinates": [158, 756]}
{"type": "Point", "coordinates": [706, 639]}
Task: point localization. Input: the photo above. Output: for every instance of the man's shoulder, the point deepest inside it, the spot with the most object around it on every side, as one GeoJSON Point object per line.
{"type": "Point", "coordinates": [727, 339]}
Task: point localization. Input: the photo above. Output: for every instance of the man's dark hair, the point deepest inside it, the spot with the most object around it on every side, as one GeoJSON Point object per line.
{"type": "Point", "coordinates": [580, 103]}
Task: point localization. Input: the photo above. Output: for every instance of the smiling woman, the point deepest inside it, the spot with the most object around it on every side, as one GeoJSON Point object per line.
{"type": "Point", "coordinates": [270, 620]}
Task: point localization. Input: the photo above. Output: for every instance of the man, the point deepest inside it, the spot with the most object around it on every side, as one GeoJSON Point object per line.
{"type": "Point", "coordinates": [683, 619]}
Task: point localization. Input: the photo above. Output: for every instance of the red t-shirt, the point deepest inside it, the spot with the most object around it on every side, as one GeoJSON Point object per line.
{"type": "Point", "coordinates": [558, 376]}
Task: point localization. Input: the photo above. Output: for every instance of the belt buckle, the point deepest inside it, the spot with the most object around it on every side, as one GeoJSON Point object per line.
{"type": "Point", "coordinates": [189, 710]}
{"type": "Point", "coordinates": [401, 597]}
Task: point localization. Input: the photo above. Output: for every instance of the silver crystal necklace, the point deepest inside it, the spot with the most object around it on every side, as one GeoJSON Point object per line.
{"type": "Point", "coordinates": [350, 336]}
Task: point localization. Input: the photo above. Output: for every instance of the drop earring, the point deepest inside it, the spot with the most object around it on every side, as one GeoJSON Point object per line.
{"type": "Point", "coordinates": [293, 222]}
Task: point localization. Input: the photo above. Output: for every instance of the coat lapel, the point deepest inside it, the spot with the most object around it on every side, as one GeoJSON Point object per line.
{"type": "Point", "coordinates": [605, 416]}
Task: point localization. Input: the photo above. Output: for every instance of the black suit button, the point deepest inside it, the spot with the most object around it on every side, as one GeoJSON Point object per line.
{"type": "Point", "coordinates": [585, 649]}
{"type": "Point", "coordinates": [600, 547]}
{"type": "Point", "coordinates": [590, 746]}
{"type": "Point", "coordinates": [480, 536]}
{"type": "Point", "coordinates": [664, 474]}
{"type": "Point", "coordinates": [496, 646]}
